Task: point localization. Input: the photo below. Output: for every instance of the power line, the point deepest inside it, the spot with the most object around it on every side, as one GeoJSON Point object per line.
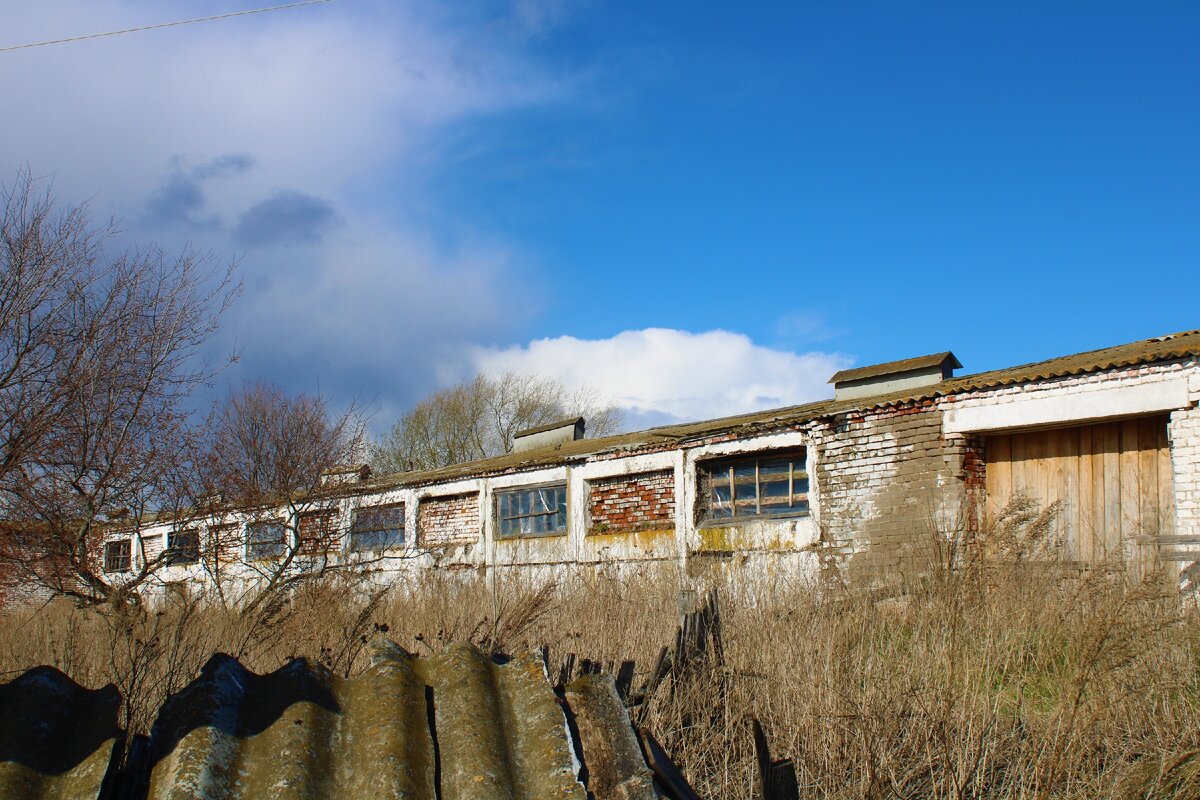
{"type": "Point", "coordinates": [163, 25]}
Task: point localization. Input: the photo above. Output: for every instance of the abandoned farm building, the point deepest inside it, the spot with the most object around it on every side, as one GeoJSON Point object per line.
{"type": "Point", "coordinates": [902, 449]}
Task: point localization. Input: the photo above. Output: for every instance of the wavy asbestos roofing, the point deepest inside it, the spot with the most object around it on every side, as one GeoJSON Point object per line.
{"type": "Point", "coordinates": [456, 725]}
{"type": "Point", "coordinates": [56, 738]}
{"type": "Point", "coordinates": [1163, 348]}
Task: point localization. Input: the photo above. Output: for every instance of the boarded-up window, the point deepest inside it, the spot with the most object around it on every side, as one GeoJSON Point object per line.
{"type": "Point", "coordinates": [635, 502]}
{"type": "Point", "coordinates": [1113, 479]}
{"type": "Point", "coordinates": [762, 485]}
{"type": "Point", "coordinates": [449, 520]}
{"type": "Point", "coordinates": [152, 547]}
{"type": "Point", "coordinates": [118, 555]}
{"type": "Point", "coordinates": [318, 532]}
{"type": "Point", "coordinates": [225, 542]}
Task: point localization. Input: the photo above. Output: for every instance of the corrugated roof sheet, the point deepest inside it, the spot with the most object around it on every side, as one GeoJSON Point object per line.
{"type": "Point", "coordinates": [57, 739]}
{"type": "Point", "coordinates": [1162, 348]}
{"type": "Point", "coordinates": [457, 725]}
{"type": "Point", "coordinates": [893, 367]}
{"type": "Point", "coordinates": [407, 727]}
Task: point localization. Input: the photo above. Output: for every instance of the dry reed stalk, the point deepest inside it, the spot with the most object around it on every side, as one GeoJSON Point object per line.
{"type": "Point", "coordinates": [984, 674]}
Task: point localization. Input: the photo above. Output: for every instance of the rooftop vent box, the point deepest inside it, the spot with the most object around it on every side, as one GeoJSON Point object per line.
{"type": "Point", "coordinates": [894, 376]}
{"type": "Point", "coordinates": [553, 433]}
{"type": "Point", "coordinates": [349, 473]}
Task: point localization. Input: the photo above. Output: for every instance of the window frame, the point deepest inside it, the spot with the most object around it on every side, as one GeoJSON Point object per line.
{"type": "Point", "coordinates": [799, 502]}
{"type": "Point", "coordinates": [182, 556]}
{"type": "Point", "coordinates": [282, 544]}
{"type": "Point", "coordinates": [564, 510]}
{"type": "Point", "coordinates": [109, 559]}
{"type": "Point", "coordinates": [353, 544]}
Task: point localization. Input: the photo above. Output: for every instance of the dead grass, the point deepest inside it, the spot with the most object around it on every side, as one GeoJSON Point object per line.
{"type": "Point", "coordinates": [979, 674]}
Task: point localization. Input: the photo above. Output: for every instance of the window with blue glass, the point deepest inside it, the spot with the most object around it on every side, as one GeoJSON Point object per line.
{"type": "Point", "coordinates": [377, 527]}
{"type": "Point", "coordinates": [764, 485]}
{"type": "Point", "coordinates": [537, 511]}
{"type": "Point", "coordinates": [265, 540]}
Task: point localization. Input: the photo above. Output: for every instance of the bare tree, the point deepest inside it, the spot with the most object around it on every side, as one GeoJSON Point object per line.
{"type": "Point", "coordinates": [98, 356]}
{"type": "Point", "coordinates": [479, 418]}
{"type": "Point", "coordinates": [265, 455]}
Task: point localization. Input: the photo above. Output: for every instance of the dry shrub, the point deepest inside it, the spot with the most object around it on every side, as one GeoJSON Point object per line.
{"type": "Point", "coordinates": [983, 671]}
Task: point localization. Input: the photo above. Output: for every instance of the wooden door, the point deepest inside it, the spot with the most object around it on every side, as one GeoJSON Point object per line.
{"type": "Point", "coordinates": [1113, 479]}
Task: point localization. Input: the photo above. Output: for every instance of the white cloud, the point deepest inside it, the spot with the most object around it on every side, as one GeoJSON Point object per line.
{"type": "Point", "coordinates": [662, 374]}
{"type": "Point", "coordinates": [318, 96]}
{"type": "Point", "coordinates": [192, 134]}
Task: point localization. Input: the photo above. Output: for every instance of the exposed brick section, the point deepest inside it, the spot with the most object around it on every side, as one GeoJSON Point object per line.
{"type": "Point", "coordinates": [627, 503]}
{"type": "Point", "coordinates": [319, 532]}
{"type": "Point", "coordinates": [448, 520]}
{"type": "Point", "coordinates": [885, 477]}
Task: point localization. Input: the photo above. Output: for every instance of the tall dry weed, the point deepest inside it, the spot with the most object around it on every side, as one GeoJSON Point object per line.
{"type": "Point", "coordinates": [986, 669]}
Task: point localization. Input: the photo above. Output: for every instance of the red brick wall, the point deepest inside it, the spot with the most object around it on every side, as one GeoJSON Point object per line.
{"type": "Point", "coordinates": [448, 520]}
{"type": "Point", "coordinates": [319, 532]}
{"type": "Point", "coordinates": [632, 502]}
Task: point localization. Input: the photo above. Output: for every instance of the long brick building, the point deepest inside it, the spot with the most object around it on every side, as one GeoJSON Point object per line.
{"type": "Point", "coordinates": [902, 450]}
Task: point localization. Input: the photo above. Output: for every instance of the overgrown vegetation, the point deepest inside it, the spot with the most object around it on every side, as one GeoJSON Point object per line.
{"type": "Point", "coordinates": [978, 673]}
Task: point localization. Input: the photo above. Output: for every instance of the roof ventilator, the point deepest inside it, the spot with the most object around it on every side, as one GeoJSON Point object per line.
{"type": "Point", "coordinates": [550, 434]}
{"type": "Point", "coordinates": [894, 376]}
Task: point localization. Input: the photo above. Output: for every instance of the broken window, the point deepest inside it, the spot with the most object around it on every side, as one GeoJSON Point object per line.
{"type": "Point", "coordinates": [763, 485]}
{"type": "Point", "coordinates": [265, 540]}
{"type": "Point", "coordinates": [118, 555]}
{"type": "Point", "coordinates": [183, 547]}
{"type": "Point", "coordinates": [540, 511]}
{"type": "Point", "coordinates": [377, 527]}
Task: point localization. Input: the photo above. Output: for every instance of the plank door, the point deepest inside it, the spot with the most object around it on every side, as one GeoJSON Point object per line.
{"type": "Point", "coordinates": [1113, 479]}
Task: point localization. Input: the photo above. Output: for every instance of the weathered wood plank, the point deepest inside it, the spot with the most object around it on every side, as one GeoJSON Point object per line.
{"type": "Point", "coordinates": [1066, 489]}
{"type": "Point", "coordinates": [1110, 435]}
{"type": "Point", "coordinates": [1113, 480]}
{"type": "Point", "coordinates": [1085, 508]}
{"type": "Point", "coordinates": [1131, 479]}
{"type": "Point", "coordinates": [998, 475]}
{"type": "Point", "coordinates": [1179, 555]}
{"type": "Point", "coordinates": [1170, 539]}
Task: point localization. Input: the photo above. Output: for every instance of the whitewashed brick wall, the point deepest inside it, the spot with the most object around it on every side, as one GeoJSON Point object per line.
{"type": "Point", "coordinates": [1184, 434]}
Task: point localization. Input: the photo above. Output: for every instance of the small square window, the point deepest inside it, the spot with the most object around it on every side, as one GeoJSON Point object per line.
{"type": "Point", "coordinates": [540, 511]}
{"type": "Point", "coordinates": [118, 555]}
{"type": "Point", "coordinates": [377, 527]}
{"type": "Point", "coordinates": [265, 540]}
{"type": "Point", "coordinates": [183, 547]}
{"type": "Point", "coordinates": [762, 485]}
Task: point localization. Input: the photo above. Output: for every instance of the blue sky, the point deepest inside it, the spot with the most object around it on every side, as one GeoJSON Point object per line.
{"type": "Point", "coordinates": [696, 208]}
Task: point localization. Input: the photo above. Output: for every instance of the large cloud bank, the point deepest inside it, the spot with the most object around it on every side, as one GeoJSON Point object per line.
{"type": "Point", "coordinates": [661, 375]}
